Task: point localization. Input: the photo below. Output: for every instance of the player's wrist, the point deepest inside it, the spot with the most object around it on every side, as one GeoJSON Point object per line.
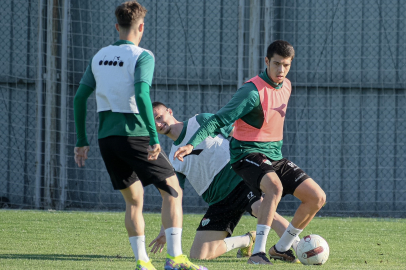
{"type": "Point", "coordinates": [153, 141]}
{"type": "Point", "coordinates": [189, 144]}
{"type": "Point", "coordinates": [82, 142]}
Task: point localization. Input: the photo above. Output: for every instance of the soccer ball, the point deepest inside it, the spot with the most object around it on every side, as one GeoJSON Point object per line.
{"type": "Point", "coordinates": [312, 250]}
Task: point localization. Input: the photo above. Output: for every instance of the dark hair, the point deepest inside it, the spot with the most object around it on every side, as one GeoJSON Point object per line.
{"type": "Point", "coordinates": [129, 12]}
{"type": "Point", "coordinates": [157, 103]}
{"type": "Point", "coordinates": [280, 47]}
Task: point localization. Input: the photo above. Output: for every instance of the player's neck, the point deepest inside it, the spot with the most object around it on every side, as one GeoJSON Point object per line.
{"type": "Point", "coordinates": [131, 37]}
{"type": "Point", "coordinates": [176, 129]}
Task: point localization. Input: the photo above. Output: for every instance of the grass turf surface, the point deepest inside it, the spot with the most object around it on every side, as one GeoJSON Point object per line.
{"type": "Point", "coordinates": [98, 240]}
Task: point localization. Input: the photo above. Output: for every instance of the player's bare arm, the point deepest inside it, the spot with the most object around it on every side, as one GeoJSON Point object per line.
{"type": "Point", "coordinates": [183, 151]}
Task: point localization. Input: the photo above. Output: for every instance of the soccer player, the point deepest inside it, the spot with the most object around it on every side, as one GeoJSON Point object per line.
{"type": "Point", "coordinates": [208, 170]}
{"type": "Point", "coordinates": [258, 109]}
{"type": "Point", "coordinates": [121, 75]}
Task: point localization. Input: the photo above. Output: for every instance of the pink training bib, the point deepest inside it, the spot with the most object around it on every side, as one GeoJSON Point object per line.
{"type": "Point", "coordinates": [274, 103]}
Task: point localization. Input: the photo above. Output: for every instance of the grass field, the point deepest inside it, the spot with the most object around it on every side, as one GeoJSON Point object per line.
{"type": "Point", "coordinates": [98, 240]}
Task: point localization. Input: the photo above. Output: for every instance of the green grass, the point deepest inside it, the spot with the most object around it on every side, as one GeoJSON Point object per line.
{"type": "Point", "coordinates": [98, 240]}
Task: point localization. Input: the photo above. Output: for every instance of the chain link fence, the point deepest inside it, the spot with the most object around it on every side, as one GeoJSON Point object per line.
{"type": "Point", "coordinates": [344, 126]}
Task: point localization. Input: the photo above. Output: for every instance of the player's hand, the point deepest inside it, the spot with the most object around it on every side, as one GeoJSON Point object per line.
{"type": "Point", "coordinates": [81, 155]}
{"type": "Point", "coordinates": [183, 151]}
{"type": "Point", "coordinates": [159, 242]}
{"type": "Point", "coordinates": [153, 151]}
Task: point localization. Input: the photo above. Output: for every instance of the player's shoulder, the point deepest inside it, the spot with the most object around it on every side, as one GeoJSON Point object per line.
{"type": "Point", "coordinates": [247, 87]}
{"type": "Point", "coordinates": [248, 90]}
{"type": "Point", "coordinates": [145, 57]}
{"type": "Point", "coordinates": [143, 53]}
{"type": "Point", "coordinates": [147, 53]}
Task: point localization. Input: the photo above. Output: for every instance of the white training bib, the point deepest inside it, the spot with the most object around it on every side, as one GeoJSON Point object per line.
{"type": "Point", "coordinates": [113, 68]}
{"type": "Point", "coordinates": [206, 160]}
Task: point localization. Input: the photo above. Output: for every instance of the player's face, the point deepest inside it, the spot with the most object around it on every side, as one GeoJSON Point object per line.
{"type": "Point", "coordinates": [163, 119]}
{"type": "Point", "coordinates": [278, 67]}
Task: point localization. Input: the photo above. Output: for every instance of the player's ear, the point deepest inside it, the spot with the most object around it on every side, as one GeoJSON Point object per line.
{"type": "Point", "coordinates": [117, 28]}
{"type": "Point", "coordinates": [266, 61]}
{"type": "Point", "coordinates": [170, 111]}
{"type": "Point", "coordinates": [141, 27]}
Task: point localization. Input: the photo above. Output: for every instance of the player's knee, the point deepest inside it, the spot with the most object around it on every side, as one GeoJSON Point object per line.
{"type": "Point", "coordinates": [135, 200]}
{"type": "Point", "coordinates": [255, 208]}
{"type": "Point", "coordinates": [134, 203]}
{"type": "Point", "coordinates": [197, 254]}
{"type": "Point", "coordinates": [319, 200]}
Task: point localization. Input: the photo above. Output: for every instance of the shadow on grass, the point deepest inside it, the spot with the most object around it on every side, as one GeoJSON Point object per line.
{"type": "Point", "coordinates": [61, 257]}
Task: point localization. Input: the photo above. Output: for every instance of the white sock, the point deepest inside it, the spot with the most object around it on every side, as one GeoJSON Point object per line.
{"type": "Point", "coordinates": [287, 238]}
{"type": "Point", "coordinates": [295, 243]}
{"type": "Point", "coordinates": [260, 241]}
{"type": "Point", "coordinates": [138, 246]}
{"type": "Point", "coordinates": [237, 242]}
{"type": "Point", "coordinates": [173, 241]}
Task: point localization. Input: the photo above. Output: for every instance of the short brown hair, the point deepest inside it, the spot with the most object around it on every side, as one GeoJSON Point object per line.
{"type": "Point", "coordinates": [158, 104]}
{"type": "Point", "coordinates": [129, 13]}
{"type": "Point", "coordinates": [280, 47]}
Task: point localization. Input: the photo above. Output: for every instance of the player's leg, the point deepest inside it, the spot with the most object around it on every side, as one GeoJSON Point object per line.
{"type": "Point", "coordinates": [124, 178]}
{"type": "Point", "coordinates": [171, 214]}
{"type": "Point", "coordinates": [134, 220]}
{"type": "Point", "coordinates": [160, 173]}
{"type": "Point", "coordinates": [134, 199]}
{"type": "Point", "coordinates": [296, 182]}
{"type": "Point", "coordinates": [259, 175]}
{"type": "Point", "coordinates": [208, 245]}
{"type": "Point", "coordinates": [279, 223]}
{"type": "Point", "coordinates": [312, 199]}
{"type": "Point", "coordinates": [271, 186]}
{"type": "Point", "coordinates": [211, 239]}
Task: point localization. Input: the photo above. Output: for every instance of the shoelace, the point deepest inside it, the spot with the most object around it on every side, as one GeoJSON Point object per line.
{"type": "Point", "coordinates": [289, 252]}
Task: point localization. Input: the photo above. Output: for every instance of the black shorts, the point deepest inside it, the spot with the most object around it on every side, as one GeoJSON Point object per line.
{"type": "Point", "coordinates": [255, 165]}
{"type": "Point", "coordinates": [225, 215]}
{"type": "Point", "coordinates": [126, 162]}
